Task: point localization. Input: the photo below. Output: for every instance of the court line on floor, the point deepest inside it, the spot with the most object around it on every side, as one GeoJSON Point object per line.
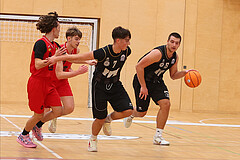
{"type": "Point", "coordinates": [49, 150]}
{"type": "Point", "coordinates": [138, 121]}
{"type": "Point", "coordinates": [192, 132]}
{"type": "Point", "coordinates": [70, 136]}
{"type": "Point", "coordinates": [169, 122]}
{"type": "Point", "coordinates": [201, 121]}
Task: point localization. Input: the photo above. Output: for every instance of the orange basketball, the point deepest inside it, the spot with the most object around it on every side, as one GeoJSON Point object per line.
{"type": "Point", "coordinates": [192, 79]}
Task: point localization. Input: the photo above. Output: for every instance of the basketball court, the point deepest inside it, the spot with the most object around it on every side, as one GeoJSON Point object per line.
{"type": "Point", "coordinates": [200, 136]}
{"type": "Point", "coordinates": [204, 122]}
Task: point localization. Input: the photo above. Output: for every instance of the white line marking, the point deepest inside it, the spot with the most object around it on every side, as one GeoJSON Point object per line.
{"type": "Point", "coordinates": [70, 136]}
{"type": "Point", "coordinates": [11, 122]}
{"type": "Point", "coordinates": [137, 121]}
{"type": "Point", "coordinates": [201, 121]}
{"type": "Point", "coordinates": [52, 152]}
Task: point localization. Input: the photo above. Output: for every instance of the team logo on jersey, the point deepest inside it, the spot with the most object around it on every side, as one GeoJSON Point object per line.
{"type": "Point", "coordinates": [122, 58]}
{"type": "Point", "coordinates": [166, 94]}
{"type": "Point", "coordinates": [107, 63]}
{"type": "Point", "coordinates": [49, 49]}
{"type": "Point", "coordinates": [173, 61]}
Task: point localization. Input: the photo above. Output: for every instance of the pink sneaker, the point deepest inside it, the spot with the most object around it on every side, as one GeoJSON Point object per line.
{"type": "Point", "coordinates": [37, 132]}
{"type": "Point", "coordinates": [25, 141]}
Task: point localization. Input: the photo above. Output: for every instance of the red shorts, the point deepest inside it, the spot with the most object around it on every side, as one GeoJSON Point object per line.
{"type": "Point", "coordinates": [42, 94]}
{"type": "Point", "coordinates": [63, 88]}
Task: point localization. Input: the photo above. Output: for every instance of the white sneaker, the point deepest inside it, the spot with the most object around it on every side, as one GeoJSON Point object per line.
{"type": "Point", "coordinates": [52, 125]}
{"type": "Point", "coordinates": [107, 129]}
{"type": "Point", "coordinates": [92, 145]}
{"type": "Point", "coordinates": [128, 121]}
{"type": "Point", "coordinates": [159, 140]}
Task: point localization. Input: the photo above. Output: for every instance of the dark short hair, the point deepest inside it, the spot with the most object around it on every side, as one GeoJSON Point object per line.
{"type": "Point", "coordinates": [121, 33]}
{"type": "Point", "coordinates": [73, 31]}
{"type": "Point", "coordinates": [47, 22]}
{"type": "Point", "coordinates": [176, 35]}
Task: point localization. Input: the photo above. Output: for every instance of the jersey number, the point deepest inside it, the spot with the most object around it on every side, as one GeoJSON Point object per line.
{"type": "Point", "coordinates": [114, 64]}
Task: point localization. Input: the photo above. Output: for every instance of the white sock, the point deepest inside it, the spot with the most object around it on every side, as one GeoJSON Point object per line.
{"type": "Point", "coordinates": [93, 137]}
{"type": "Point", "coordinates": [158, 132]}
{"type": "Point", "coordinates": [109, 118]}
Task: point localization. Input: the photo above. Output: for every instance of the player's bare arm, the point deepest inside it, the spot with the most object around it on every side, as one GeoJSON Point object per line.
{"type": "Point", "coordinates": [154, 56]}
{"type": "Point", "coordinates": [65, 75]}
{"type": "Point", "coordinates": [174, 73]}
{"type": "Point", "coordinates": [78, 61]}
{"type": "Point", "coordinates": [89, 62]}
{"type": "Point", "coordinates": [78, 57]}
{"type": "Point", "coordinates": [39, 63]}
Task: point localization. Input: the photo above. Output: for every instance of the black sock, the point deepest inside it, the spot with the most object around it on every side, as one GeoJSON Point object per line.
{"type": "Point", "coordinates": [39, 124]}
{"type": "Point", "coordinates": [25, 132]}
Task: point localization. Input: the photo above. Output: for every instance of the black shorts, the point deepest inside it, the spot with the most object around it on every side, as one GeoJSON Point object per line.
{"type": "Point", "coordinates": [114, 93]}
{"type": "Point", "coordinates": [156, 90]}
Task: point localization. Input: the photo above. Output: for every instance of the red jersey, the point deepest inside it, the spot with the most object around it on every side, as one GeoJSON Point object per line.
{"type": "Point", "coordinates": [45, 71]}
{"type": "Point", "coordinates": [66, 65]}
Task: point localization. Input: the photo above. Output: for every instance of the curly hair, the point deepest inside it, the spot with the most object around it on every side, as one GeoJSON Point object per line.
{"type": "Point", "coordinates": [47, 22]}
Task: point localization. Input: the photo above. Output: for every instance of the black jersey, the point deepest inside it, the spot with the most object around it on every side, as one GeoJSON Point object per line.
{"type": "Point", "coordinates": [109, 64]}
{"type": "Point", "coordinates": [155, 71]}
{"type": "Point", "coordinates": [40, 48]}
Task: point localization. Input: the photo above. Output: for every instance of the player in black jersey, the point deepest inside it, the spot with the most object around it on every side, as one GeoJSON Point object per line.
{"type": "Point", "coordinates": [148, 83]}
{"type": "Point", "coordinates": [106, 86]}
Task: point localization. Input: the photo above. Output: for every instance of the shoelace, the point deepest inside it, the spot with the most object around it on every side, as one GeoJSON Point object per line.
{"type": "Point", "coordinates": [38, 131]}
{"type": "Point", "coordinates": [26, 139]}
{"type": "Point", "coordinates": [129, 120]}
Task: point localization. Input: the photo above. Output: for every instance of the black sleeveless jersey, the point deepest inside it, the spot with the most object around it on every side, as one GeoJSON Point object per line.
{"type": "Point", "coordinates": [109, 64]}
{"type": "Point", "coordinates": [155, 71]}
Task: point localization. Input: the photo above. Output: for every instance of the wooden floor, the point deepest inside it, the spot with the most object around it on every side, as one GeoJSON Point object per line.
{"type": "Point", "coordinates": [193, 136]}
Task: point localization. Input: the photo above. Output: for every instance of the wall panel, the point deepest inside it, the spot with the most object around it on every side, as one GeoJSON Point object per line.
{"type": "Point", "coordinates": [15, 70]}
{"type": "Point", "coordinates": [17, 6]}
{"type": "Point", "coordinates": [45, 6]}
{"type": "Point", "coordinates": [209, 26]}
{"type": "Point", "coordinates": [229, 88]}
{"type": "Point", "coordinates": [82, 8]}
{"type": "Point", "coordinates": [170, 18]}
{"type": "Point", "coordinates": [210, 31]}
{"type": "Point", "coordinates": [142, 23]}
{"type": "Point", "coordinates": [189, 49]}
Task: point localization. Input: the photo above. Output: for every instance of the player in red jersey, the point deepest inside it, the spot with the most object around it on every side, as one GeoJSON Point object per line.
{"type": "Point", "coordinates": [41, 91]}
{"type": "Point", "coordinates": [63, 71]}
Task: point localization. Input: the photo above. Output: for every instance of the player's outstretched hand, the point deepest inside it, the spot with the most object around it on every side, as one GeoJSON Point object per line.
{"type": "Point", "coordinates": [82, 69]}
{"type": "Point", "coordinates": [91, 62]}
{"type": "Point", "coordinates": [60, 51]}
